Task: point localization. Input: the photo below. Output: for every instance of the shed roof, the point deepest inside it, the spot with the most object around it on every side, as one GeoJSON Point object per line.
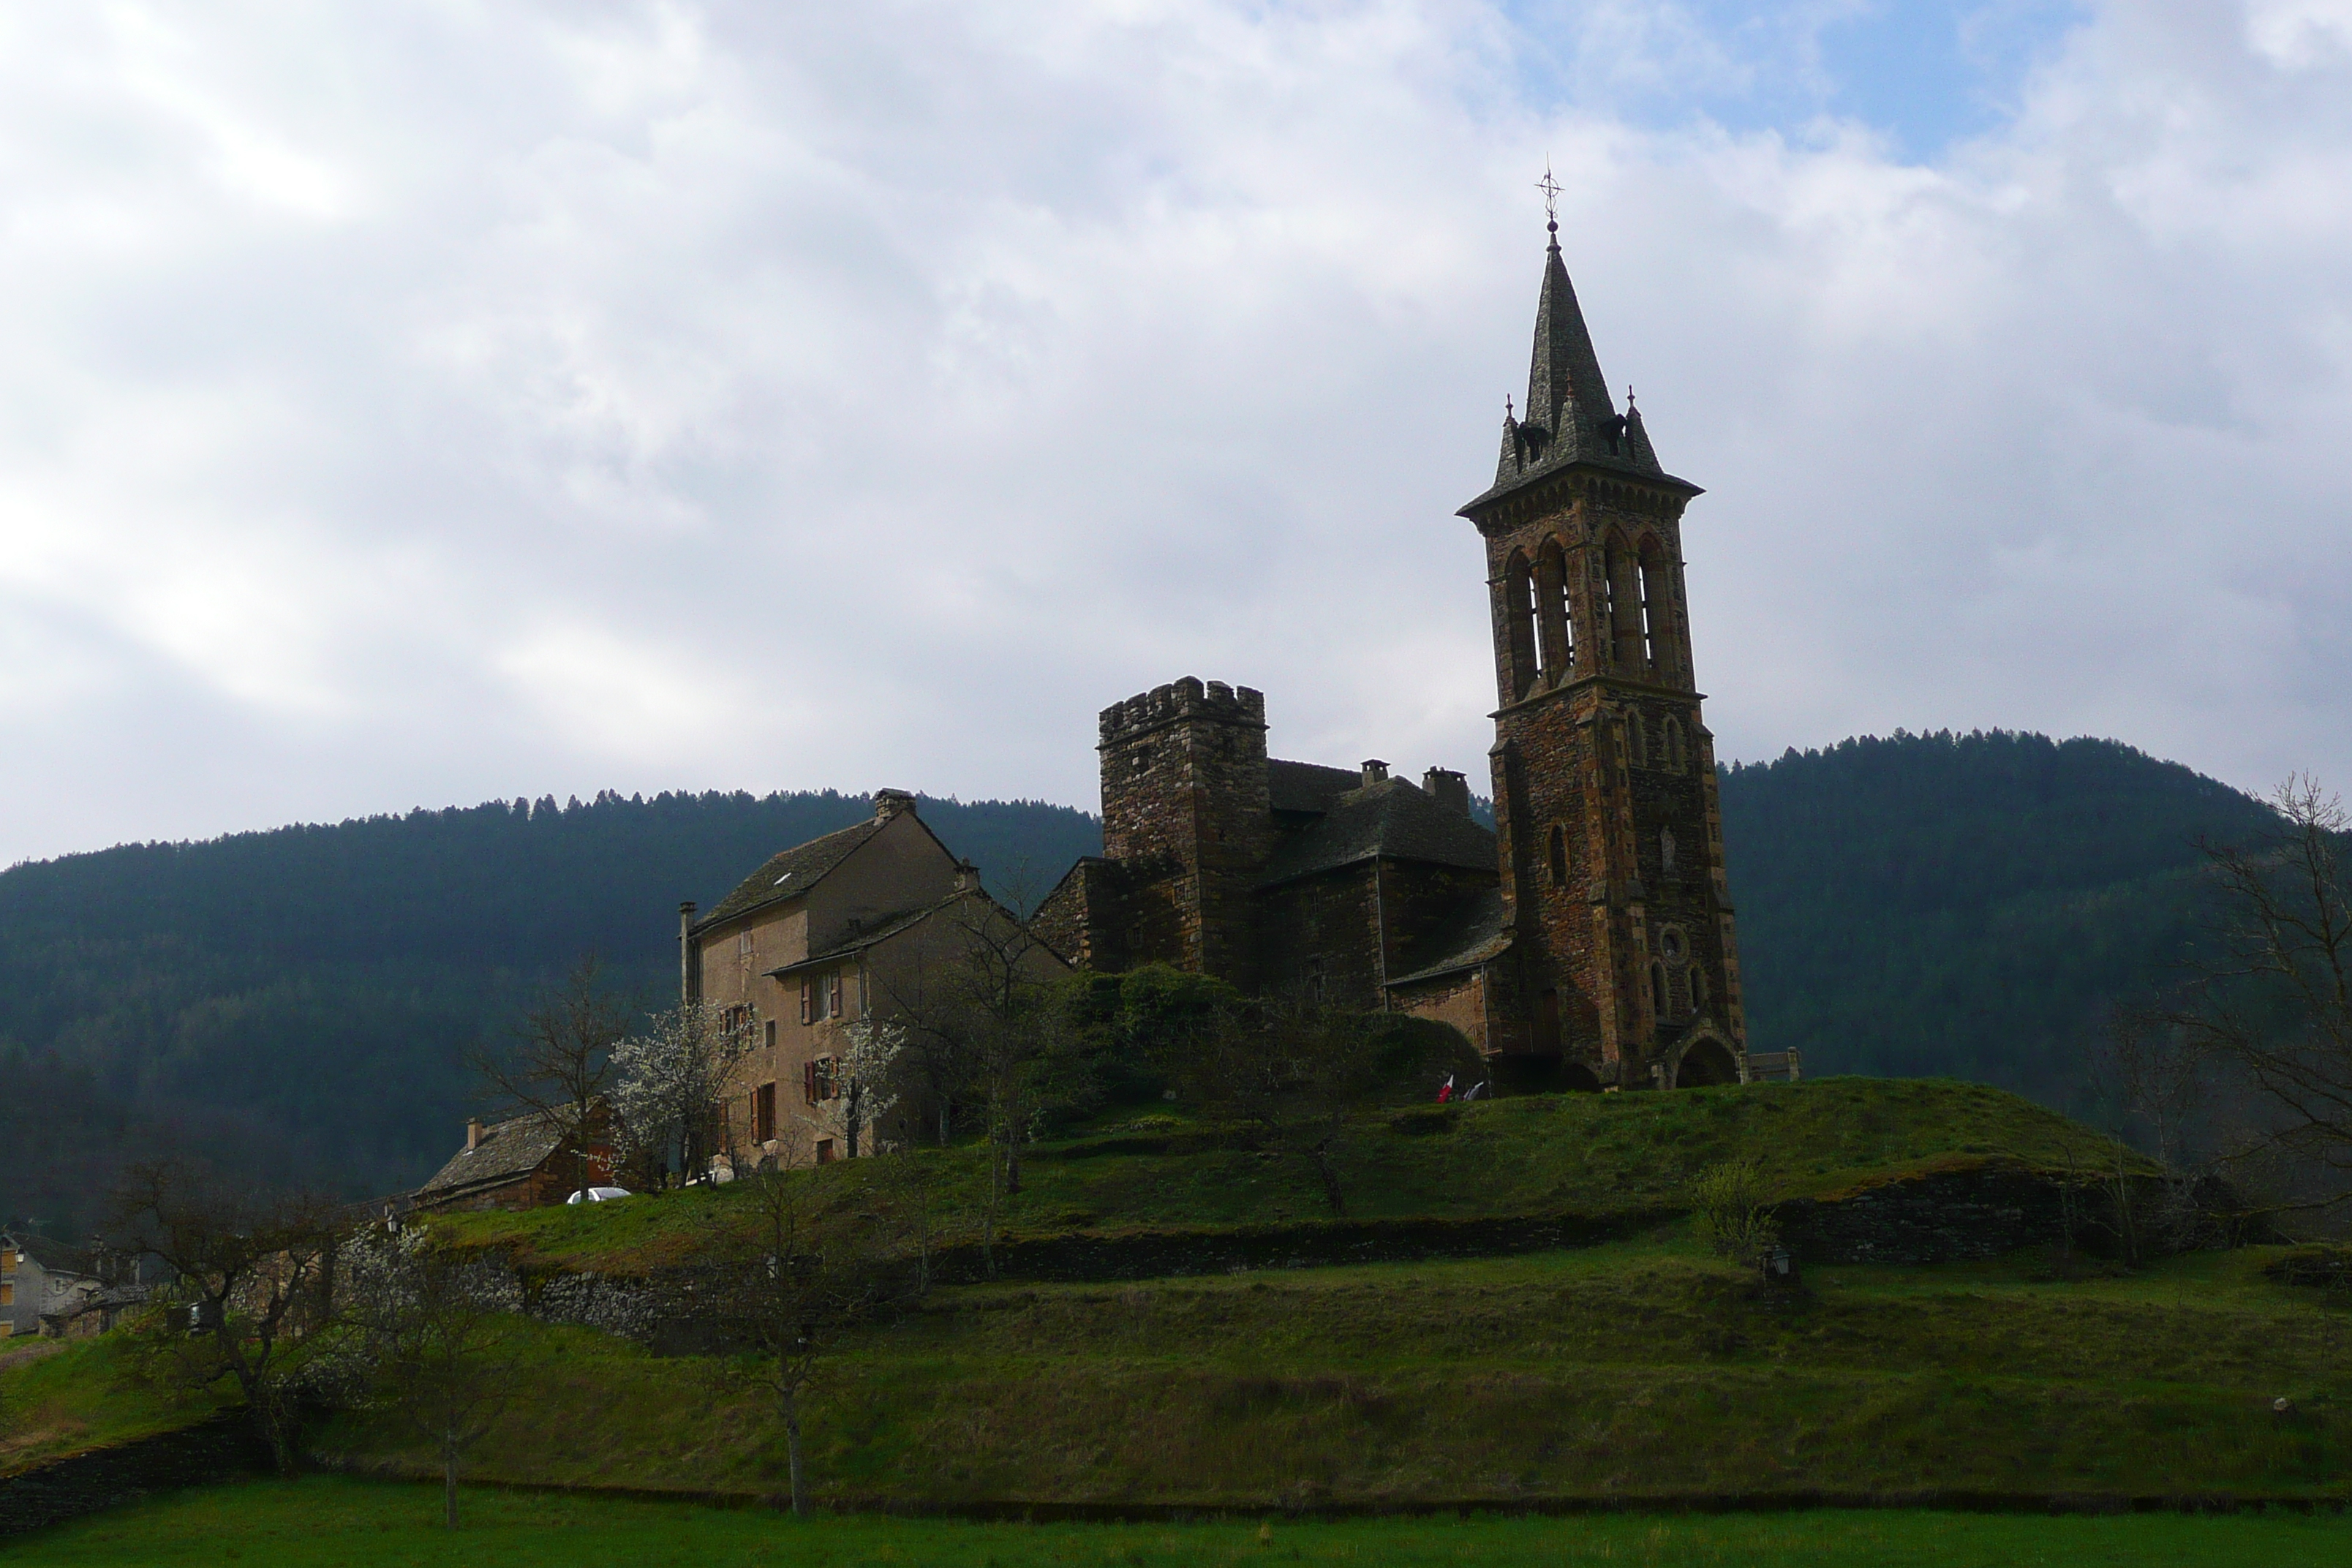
{"type": "Point", "coordinates": [1478, 932]}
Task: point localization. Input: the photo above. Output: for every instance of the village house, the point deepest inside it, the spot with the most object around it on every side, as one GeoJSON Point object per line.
{"type": "Point", "coordinates": [518, 1164]}
{"type": "Point", "coordinates": [64, 1292]}
{"type": "Point", "coordinates": [874, 923]}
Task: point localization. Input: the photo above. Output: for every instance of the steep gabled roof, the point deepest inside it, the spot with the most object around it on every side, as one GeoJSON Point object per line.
{"type": "Point", "coordinates": [507, 1150]}
{"type": "Point", "coordinates": [1392, 820]}
{"type": "Point", "coordinates": [1308, 786]}
{"type": "Point", "coordinates": [1478, 932]}
{"type": "Point", "coordinates": [1571, 418]}
{"type": "Point", "coordinates": [51, 1255]}
{"type": "Point", "coordinates": [791, 872]}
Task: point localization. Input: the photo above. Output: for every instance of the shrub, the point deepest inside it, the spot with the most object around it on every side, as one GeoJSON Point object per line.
{"type": "Point", "coordinates": [1727, 1201]}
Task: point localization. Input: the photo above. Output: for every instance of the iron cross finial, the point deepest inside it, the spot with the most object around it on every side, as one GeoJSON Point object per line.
{"type": "Point", "coordinates": [1550, 188]}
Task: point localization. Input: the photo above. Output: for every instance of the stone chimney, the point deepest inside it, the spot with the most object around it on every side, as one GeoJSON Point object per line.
{"type": "Point", "coordinates": [472, 1133]}
{"type": "Point", "coordinates": [889, 802]}
{"type": "Point", "coordinates": [1447, 788]}
{"type": "Point", "coordinates": [1375, 772]}
{"type": "Point", "coordinates": [689, 964]}
{"type": "Point", "coordinates": [966, 877]}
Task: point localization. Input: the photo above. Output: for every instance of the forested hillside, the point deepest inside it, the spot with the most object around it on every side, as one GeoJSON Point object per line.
{"type": "Point", "coordinates": [301, 998]}
{"type": "Point", "coordinates": [1969, 905]}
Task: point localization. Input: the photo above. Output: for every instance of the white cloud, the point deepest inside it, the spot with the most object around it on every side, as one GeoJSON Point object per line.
{"type": "Point", "coordinates": [428, 405]}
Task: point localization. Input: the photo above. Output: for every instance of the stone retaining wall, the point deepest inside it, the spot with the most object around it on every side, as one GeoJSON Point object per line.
{"type": "Point", "coordinates": [224, 1448]}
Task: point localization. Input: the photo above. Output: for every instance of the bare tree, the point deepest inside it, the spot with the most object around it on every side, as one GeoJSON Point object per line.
{"type": "Point", "coordinates": [2272, 1001]}
{"type": "Point", "coordinates": [253, 1271]}
{"type": "Point", "coordinates": [1300, 1075]}
{"type": "Point", "coordinates": [793, 1282]}
{"type": "Point", "coordinates": [980, 995]}
{"type": "Point", "coordinates": [443, 1347]}
{"type": "Point", "coordinates": [671, 1081]}
{"type": "Point", "coordinates": [558, 1064]}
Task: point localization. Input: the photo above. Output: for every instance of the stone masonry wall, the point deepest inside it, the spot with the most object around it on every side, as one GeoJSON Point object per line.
{"type": "Point", "coordinates": [1187, 815]}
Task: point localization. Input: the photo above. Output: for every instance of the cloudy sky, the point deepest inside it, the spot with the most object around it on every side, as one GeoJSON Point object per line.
{"type": "Point", "coordinates": [419, 404]}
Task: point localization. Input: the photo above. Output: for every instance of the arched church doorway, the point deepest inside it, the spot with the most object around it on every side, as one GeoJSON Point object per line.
{"type": "Point", "coordinates": [1706, 1061]}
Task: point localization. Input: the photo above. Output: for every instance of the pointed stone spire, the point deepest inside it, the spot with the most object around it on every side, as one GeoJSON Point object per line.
{"type": "Point", "coordinates": [1566, 391]}
{"type": "Point", "coordinates": [1570, 416]}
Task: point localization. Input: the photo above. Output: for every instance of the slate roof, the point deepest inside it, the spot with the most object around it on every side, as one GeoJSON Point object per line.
{"type": "Point", "coordinates": [1570, 417]}
{"type": "Point", "coordinates": [1308, 786]}
{"type": "Point", "coordinates": [1391, 819]}
{"type": "Point", "coordinates": [508, 1150]}
{"type": "Point", "coordinates": [1478, 932]}
{"type": "Point", "coordinates": [51, 1255]}
{"type": "Point", "coordinates": [791, 872]}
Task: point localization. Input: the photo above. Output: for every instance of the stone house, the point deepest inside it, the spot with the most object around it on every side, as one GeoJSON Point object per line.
{"type": "Point", "coordinates": [1586, 942]}
{"type": "Point", "coordinates": [878, 920]}
{"type": "Point", "coordinates": [519, 1163]}
{"type": "Point", "coordinates": [50, 1287]}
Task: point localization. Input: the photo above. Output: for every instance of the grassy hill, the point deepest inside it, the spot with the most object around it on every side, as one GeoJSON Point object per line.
{"type": "Point", "coordinates": [1600, 1158]}
{"type": "Point", "coordinates": [1640, 1368]}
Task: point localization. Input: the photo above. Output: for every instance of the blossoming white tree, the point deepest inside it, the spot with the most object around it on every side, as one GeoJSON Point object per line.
{"type": "Point", "coordinates": [673, 1077]}
{"type": "Point", "coordinates": [864, 1080]}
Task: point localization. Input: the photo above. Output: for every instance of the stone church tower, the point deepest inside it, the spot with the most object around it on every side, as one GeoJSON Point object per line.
{"type": "Point", "coordinates": [1610, 843]}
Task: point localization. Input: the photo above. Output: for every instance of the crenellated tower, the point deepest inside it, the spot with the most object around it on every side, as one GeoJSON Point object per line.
{"type": "Point", "coordinates": [1624, 962]}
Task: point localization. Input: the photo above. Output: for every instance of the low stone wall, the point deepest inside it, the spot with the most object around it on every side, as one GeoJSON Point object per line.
{"type": "Point", "coordinates": [1162, 1254]}
{"type": "Point", "coordinates": [224, 1448]}
{"type": "Point", "coordinates": [1943, 1217]}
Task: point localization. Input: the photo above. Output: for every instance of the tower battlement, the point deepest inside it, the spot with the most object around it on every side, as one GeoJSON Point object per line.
{"type": "Point", "coordinates": [1190, 699]}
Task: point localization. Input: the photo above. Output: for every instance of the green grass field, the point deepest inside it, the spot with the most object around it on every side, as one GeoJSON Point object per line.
{"type": "Point", "coordinates": [316, 1523]}
{"type": "Point", "coordinates": [1589, 1154]}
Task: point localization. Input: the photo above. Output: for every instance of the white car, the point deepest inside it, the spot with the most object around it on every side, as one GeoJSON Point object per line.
{"type": "Point", "coordinates": [597, 1195]}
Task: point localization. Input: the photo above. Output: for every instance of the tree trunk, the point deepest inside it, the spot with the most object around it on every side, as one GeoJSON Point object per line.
{"type": "Point", "coordinates": [856, 1091]}
{"type": "Point", "coordinates": [791, 1402]}
{"type": "Point", "coordinates": [449, 1481]}
{"type": "Point", "coordinates": [1331, 1192]}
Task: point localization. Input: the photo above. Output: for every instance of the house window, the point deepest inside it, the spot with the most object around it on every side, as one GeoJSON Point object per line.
{"type": "Point", "coordinates": [1658, 988]}
{"type": "Point", "coordinates": [1698, 990]}
{"type": "Point", "coordinates": [763, 1113]}
{"type": "Point", "coordinates": [769, 1030]}
{"type": "Point", "coordinates": [826, 1088]}
{"type": "Point", "coordinates": [824, 1150]}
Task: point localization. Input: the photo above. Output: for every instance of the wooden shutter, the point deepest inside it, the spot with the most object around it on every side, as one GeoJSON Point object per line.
{"type": "Point", "coordinates": [808, 1082]}
{"type": "Point", "coordinates": [832, 995]}
{"type": "Point", "coordinates": [808, 999]}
